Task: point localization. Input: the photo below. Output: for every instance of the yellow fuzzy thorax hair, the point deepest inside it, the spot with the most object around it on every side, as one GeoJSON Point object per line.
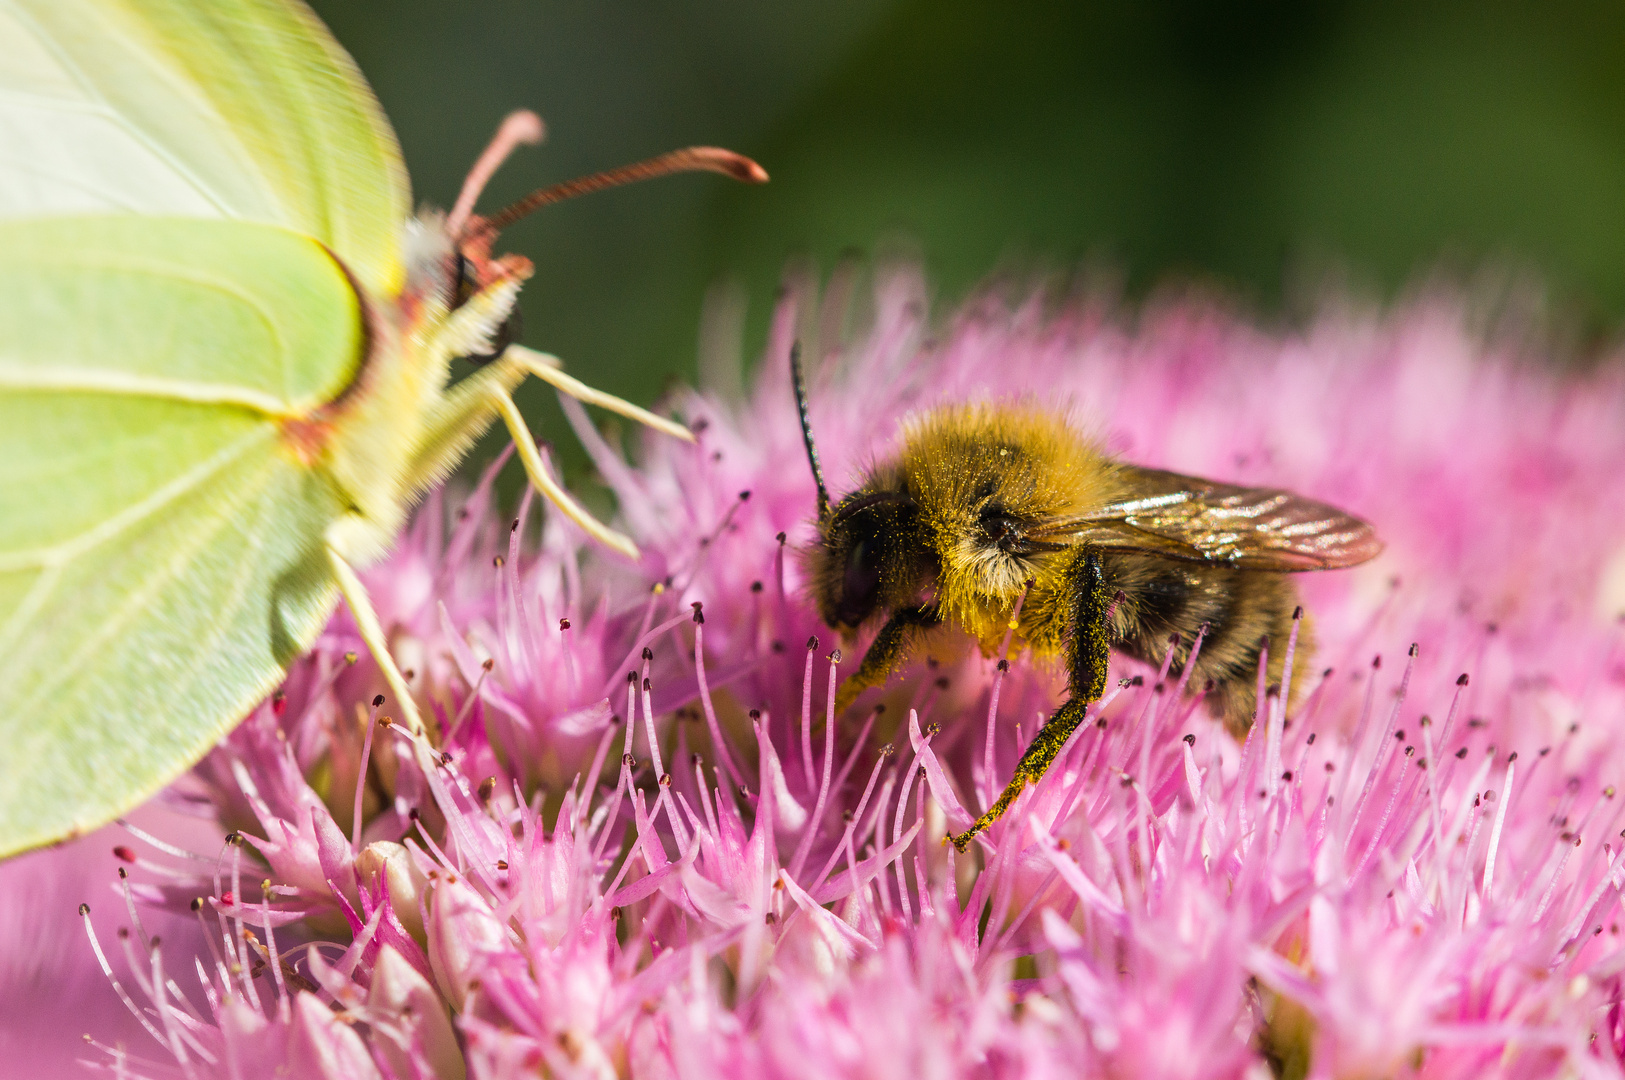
{"type": "Point", "coordinates": [960, 462]}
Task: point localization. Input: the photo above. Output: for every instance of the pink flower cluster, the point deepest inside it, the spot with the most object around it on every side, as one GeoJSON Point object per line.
{"type": "Point", "coordinates": [650, 849]}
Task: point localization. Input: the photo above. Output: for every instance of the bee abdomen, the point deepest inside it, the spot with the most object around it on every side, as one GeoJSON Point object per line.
{"type": "Point", "coordinates": [1240, 610]}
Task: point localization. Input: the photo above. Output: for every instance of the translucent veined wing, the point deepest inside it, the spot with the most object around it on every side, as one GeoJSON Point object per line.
{"type": "Point", "coordinates": [205, 108]}
{"type": "Point", "coordinates": [160, 539]}
{"type": "Point", "coordinates": [1186, 517]}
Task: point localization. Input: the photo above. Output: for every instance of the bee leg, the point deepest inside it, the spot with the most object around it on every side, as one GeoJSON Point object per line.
{"type": "Point", "coordinates": [1088, 649]}
{"type": "Point", "coordinates": [884, 652]}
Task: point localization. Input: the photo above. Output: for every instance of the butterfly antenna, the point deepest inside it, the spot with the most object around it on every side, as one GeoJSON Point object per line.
{"type": "Point", "coordinates": [521, 128]}
{"type": "Point", "coordinates": [806, 430]}
{"type": "Point", "coordinates": [692, 159]}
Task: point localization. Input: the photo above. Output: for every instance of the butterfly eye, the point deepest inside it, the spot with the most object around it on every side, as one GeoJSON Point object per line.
{"type": "Point", "coordinates": [466, 283]}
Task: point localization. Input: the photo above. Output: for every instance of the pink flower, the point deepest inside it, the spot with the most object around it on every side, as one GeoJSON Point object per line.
{"type": "Point", "coordinates": [648, 851]}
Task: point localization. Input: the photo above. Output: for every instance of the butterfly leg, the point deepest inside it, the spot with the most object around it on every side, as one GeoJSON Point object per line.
{"type": "Point", "coordinates": [372, 633]}
{"type": "Point", "coordinates": [550, 370]}
{"type": "Point", "coordinates": [885, 651]}
{"type": "Point", "coordinates": [543, 481]}
{"type": "Point", "coordinates": [1088, 649]}
{"type": "Point", "coordinates": [471, 404]}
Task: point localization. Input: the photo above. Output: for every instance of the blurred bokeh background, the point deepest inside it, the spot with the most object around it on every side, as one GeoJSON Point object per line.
{"type": "Point", "coordinates": [1251, 146]}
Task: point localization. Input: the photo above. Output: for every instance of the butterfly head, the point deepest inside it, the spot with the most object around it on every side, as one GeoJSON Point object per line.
{"type": "Point", "coordinates": [465, 259]}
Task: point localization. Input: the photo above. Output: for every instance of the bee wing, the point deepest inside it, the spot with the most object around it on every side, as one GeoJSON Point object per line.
{"type": "Point", "coordinates": [1186, 517]}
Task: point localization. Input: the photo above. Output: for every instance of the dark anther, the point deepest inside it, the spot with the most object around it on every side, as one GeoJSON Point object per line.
{"type": "Point", "coordinates": [377, 701]}
{"type": "Point", "coordinates": [1190, 740]}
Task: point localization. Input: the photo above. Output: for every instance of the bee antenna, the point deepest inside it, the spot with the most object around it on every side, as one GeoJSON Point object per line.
{"type": "Point", "coordinates": [806, 430]}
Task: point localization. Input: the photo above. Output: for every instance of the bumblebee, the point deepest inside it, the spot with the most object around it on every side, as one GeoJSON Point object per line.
{"type": "Point", "coordinates": [987, 505]}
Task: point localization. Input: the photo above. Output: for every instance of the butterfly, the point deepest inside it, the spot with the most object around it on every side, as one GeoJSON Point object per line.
{"type": "Point", "coordinates": [226, 350]}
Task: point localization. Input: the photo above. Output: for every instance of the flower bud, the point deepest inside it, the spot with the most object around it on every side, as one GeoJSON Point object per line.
{"type": "Point", "coordinates": [418, 1016]}
{"type": "Point", "coordinates": [462, 934]}
{"type": "Point", "coordinates": [323, 1047]}
{"type": "Point", "coordinates": [394, 864]}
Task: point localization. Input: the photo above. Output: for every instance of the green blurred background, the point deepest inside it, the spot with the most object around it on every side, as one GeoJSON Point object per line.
{"type": "Point", "coordinates": [1252, 145]}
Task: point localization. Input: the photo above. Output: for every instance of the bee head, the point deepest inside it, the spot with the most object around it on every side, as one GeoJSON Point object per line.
{"type": "Point", "coordinates": [867, 557]}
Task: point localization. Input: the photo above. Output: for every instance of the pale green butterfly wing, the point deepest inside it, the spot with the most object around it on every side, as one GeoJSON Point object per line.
{"type": "Point", "coordinates": [206, 108]}
{"type": "Point", "coordinates": [160, 537]}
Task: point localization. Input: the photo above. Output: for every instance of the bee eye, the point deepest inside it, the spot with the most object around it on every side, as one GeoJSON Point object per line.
{"type": "Point", "coordinates": [860, 585]}
{"type": "Point", "coordinates": [1000, 528]}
